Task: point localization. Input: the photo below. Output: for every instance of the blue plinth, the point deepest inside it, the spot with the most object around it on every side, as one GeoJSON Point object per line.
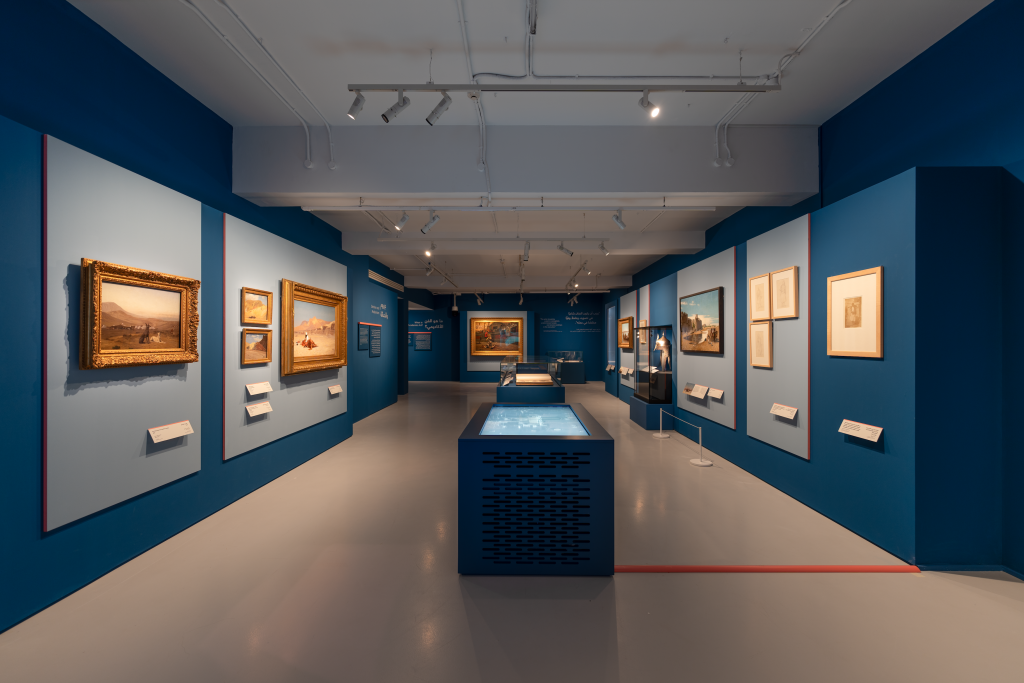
{"type": "Point", "coordinates": [514, 394]}
{"type": "Point", "coordinates": [536, 504]}
{"type": "Point", "coordinates": [572, 372]}
{"type": "Point", "coordinates": [647, 414]}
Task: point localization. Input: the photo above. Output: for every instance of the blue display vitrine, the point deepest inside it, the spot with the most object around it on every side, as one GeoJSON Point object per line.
{"type": "Point", "coordinates": [536, 492]}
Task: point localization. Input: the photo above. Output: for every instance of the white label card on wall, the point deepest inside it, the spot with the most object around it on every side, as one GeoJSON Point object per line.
{"type": "Point", "coordinates": [699, 391]}
{"type": "Point", "coordinates": [788, 412]}
{"type": "Point", "coordinates": [336, 389]}
{"type": "Point", "coordinates": [259, 388]}
{"type": "Point", "coordinates": [716, 393]}
{"type": "Point", "coordinates": [860, 430]}
{"type": "Point", "coordinates": [171, 431]}
{"type": "Point", "coordinates": [259, 409]}
{"type": "Point", "coordinates": [611, 366]}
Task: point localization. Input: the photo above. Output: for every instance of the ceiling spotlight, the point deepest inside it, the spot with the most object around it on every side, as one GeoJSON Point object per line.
{"type": "Point", "coordinates": [479, 301]}
{"type": "Point", "coordinates": [586, 267]}
{"type": "Point", "coordinates": [649, 106]}
{"type": "Point", "coordinates": [565, 251]}
{"type": "Point", "coordinates": [520, 298]}
{"type": "Point", "coordinates": [430, 270]}
{"type": "Point", "coordinates": [397, 107]}
{"type": "Point", "coordinates": [603, 250]}
{"type": "Point", "coordinates": [402, 221]}
{"type": "Point", "coordinates": [434, 218]}
{"type": "Point", "coordinates": [617, 217]}
{"type": "Point", "coordinates": [575, 284]}
{"type": "Point", "coordinates": [526, 252]}
{"type": "Point", "coordinates": [357, 106]}
{"type": "Point", "coordinates": [432, 248]}
{"type": "Point", "coordinates": [441, 108]}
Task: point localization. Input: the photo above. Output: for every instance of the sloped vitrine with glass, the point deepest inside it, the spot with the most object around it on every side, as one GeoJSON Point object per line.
{"type": "Point", "coordinates": [654, 364]}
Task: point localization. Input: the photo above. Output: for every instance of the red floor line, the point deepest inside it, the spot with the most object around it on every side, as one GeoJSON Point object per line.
{"type": "Point", "coordinates": [766, 569]}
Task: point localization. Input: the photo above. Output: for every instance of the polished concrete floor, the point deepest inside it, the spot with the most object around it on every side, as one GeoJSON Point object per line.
{"type": "Point", "coordinates": [345, 570]}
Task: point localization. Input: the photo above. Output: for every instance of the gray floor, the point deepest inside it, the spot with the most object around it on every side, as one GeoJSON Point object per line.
{"type": "Point", "coordinates": [345, 570]}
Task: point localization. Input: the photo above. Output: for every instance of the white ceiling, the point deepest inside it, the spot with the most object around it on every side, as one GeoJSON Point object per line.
{"type": "Point", "coordinates": [327, 45]}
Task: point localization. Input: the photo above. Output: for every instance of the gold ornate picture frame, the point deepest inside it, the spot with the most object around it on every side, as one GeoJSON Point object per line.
{"type": "Point", "coordinates": [131, 316]}
{"type": "Point", "coordinates": [314, 329]}
{"type": "Point", "coordinates": [257, 307]}
{"type": "Point", "coordinates": [626, 333]}
{"type": "Point", "coordinates": [257, 346]}
{"type": "Point", "coordinates": [496, 336]}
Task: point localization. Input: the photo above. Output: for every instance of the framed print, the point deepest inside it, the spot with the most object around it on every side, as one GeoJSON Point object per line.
{"type": "Point", "coordinates": [855, 314]}
{"type": "Point", "coordinates": [131, 316]}
{"type": "Point", "coordinates": [257, 307]}
{"type": "Point", "coordinates": [256, 346]}
{"type": "Point", "coordinates": [760, 297]}
{"type": "Point", "coordinates": [643, 332]}
{"type": "Point", "coordinates": [314, 329]}
{"type": "Point", "coordinates": [785, 293]}
{"type": "Point", "coordinates": [495, 336]}
{"type": "Point", "coordinates": [701, 321]}
{"type": "Point", "coordinates": [626, 333]}
{"type": "Point", "coordinates": [761, 344]}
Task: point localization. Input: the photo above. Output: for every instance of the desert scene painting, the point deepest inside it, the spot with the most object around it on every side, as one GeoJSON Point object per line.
{"type": "Point", "coordinates": [699, 324]}
{"type": "Point", "coordinates": [257, 346]}
{"type": "Point", "coordinates": [314, 327]}
{"type": "Point", "coordinates": [255, 306]}
{"type": "Point", "coordinates": [496, 337]}
{"type": "Point", "coordinates": [134, 317]}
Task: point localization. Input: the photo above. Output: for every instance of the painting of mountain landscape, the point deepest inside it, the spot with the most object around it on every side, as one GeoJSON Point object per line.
{"type": "Point", "coordinates": [314, 327]}
{"type": "Point", "coordinates": [134, 317]}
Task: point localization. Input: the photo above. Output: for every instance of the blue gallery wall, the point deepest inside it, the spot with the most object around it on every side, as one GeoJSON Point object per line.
{"type": "Point", "coordinates": [373, 382]}
{"type": "Point", "coordinates": [434, 365]}
{"type": "Point", "coordinates": [1013, 371]}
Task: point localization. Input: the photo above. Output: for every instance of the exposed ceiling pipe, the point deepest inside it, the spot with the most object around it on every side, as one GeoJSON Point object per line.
{"type": "Point", "coordinates": [437, 270]}
{"type": "Point", "coordinates": [308, 163]}
{"type": "Point", "coordinates": [330, 137]}
{"type": "Point", "coordinates": [742, 103]}
{"type": "Point", "coordinates": [374, 219]}
{"type": "Point", "coordinates": [476, 101]}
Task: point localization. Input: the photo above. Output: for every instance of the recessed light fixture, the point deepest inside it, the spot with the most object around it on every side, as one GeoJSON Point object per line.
{"type": "Point", "coordinates": [433, 247]}
{"type": "Point", "coordinates": [617, 217]}
{"type": "Point", "coordinates": [402, 221]}
{"type": "Point", "coordinates": [434, 218]}
{"type": "Point", "coordinates": [565, 251]}
{"type": "Point", "coordinates": [357, 106]}
{"type": "Point", "coordinates": [441, 108]}
{"type": "Point", "coordinates": [603, 250]}
{"type": "Point", "coordinates": [396, 108]}
{"type": "Point", "coordinates": [648, 106]}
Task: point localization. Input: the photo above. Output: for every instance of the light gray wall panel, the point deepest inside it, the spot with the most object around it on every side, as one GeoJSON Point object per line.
{"type": "Point", "coordinates": [493, 363]}
{"type": "Point", "coordinates": [717, 371]}
{"type": "Point", "coordinates": [788, 380]}
{"type": "Point", "coordinates": [98, 452]}
{"type": "Point", "coordinates": [627, 357]}
{"type": "Point", "coordinates": [258, 259]}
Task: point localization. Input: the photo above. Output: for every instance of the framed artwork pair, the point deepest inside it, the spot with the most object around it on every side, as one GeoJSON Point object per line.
{"type": "Point", "coordinates": [257, 309]}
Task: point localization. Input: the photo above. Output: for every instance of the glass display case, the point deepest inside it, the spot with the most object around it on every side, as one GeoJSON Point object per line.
{"type": "Point", "coordinates": [533, 421]}
{"type": "Point", "coordinates": [653, 346]}
{"type": "Point", "coordinates": [570, 367]}
{"type": "Point", "coordinates": [528, 371]}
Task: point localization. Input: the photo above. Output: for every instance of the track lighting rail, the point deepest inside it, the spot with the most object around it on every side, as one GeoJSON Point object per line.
{"type": "Point", "coordinates": [494, 209]}
{"type": "Point", "coordinates": [770, 86]}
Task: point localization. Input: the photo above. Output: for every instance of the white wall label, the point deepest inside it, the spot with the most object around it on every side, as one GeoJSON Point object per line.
{"type": "Point", "coordinates": [716, 393]}
{"type": "Point", "coordinates": [611, 366]}
{"type": "Point", "coordinates": [622, 371]}
{"type": "Point", "coordinates": [860, 430]}
{"type": "Point", "coordinates": [171, 431]}
{"type": "Point", "coordinates": [336, 389]}
{"type": "Point", "coordinates": [259, 409]}
{"type": "Point", "coordinates": [788, 412]}
{"type": "Point", "coordinates": [259, 388]}
{"type": "Point", "coordinates": [699, 391]}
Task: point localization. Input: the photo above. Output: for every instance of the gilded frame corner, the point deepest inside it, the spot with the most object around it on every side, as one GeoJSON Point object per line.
{"type": "Point", "coordinates": [294, 291]}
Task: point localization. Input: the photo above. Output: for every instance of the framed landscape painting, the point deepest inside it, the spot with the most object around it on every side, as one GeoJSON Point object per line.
{"type": "Point", "coordinates": [257, 306]}
{"type": "Point", "coordinates": [702, 321]}
{"type": "Point", "coordinates": [131, 316]}
{"type": "Point", "coordinates": [257, 346]}
{"type": "Point", "coordinates": [855, 314]}
{"type": "Point", "coordinates": [626, 333]}
{"type": "Point", "coordinates": [314, 325]}
{"type": "Point", "coordinates": [495, 336]}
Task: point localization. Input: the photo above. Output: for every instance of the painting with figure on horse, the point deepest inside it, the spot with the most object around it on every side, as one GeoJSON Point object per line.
{"type": "Point", "coordinates": [314, 326]}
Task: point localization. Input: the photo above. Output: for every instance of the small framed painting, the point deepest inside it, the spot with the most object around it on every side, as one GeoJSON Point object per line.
{"type": "Point", "coordinates": [855, 314]}
{"type": "Point", "coordinates": [257, 306]}
{"type": "Point", "coordinates": [314, 329]}
{"type": "Point", "coordinates": [626, 333]}
{"type": "Point", "coordinates": [761, 344]}
{"type": "Point", "coordinates": [642, 331]}
{"type": "Point", "coordinates": [785, 293]}
{"type": "Point", "coordinates": [256, 346]}
{"type": "Point", "coordinates": [131, 316]}
{"type": "Point", "coordinates": [760, 297]}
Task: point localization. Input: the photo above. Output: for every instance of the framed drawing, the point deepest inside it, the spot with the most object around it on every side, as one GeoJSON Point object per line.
{"type": "Point", "coordinates": [785, 293]}
{"type": "Point", "coordinates": [760, 297]}
{"type": "Point", "coordinates": [131, 316]}
{"type": "Point", "coordinates": [314, 329]}
{"type": "Point", "coordinates": [257, 307]}
{"type": "Point", "coordinates": [495, 336]}
{"type": "Point", "coordinates": [626, 333]}
{"type": "Point", "coordinates": [855, 314]}
{"type": "Point", "coordinates": [702, 321]}
{"type": "Point", "coordinates": [761, 344]}
{"type": "Point", "coordinates": [643, 332]}
{"type": "Point", "coordinates": [256, 346]}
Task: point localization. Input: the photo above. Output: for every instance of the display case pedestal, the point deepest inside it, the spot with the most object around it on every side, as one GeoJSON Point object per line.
{"type": "Point", "coordinates": [542, 394]}
{"type": "Point", "coordinates": [647, 415]}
